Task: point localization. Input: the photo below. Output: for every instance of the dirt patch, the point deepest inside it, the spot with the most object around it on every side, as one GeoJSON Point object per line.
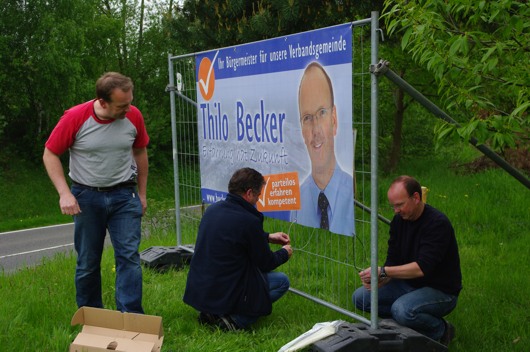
{"type": "Point", "coordinates": [518, 158]}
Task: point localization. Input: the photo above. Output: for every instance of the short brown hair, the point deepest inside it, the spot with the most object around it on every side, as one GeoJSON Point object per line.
{"type": "Point", "coordinates": [110, 81]}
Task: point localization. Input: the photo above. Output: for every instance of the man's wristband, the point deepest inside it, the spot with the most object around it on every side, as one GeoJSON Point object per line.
{"type": "Point", "coordinates": [382, 274]}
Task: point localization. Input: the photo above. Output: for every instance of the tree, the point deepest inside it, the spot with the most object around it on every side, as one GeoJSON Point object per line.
{"type": "Point", "coordinates": [478, 52]}
{"type": "Point", "coordinates": [42, 66]}
{"type": "Point", "coordinates": [405, 128]}
{"type": "Point", "coordinates": [209, 24]}
{"type": "Point", "coordinates": [52, 51]}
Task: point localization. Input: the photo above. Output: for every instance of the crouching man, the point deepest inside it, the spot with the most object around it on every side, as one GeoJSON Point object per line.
{"type": "Point", "coordinates": [231, 280]}
{"type": "Point", "coordinates": [421, 278]}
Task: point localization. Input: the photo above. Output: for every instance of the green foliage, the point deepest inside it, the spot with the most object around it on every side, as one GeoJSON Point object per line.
{"type": "Point", "coordinates": [41, 64]}
{"type": "Point", "coordinates": [478, 54]}
{"type": "Point", "coordinates": [216, 23]}
{"type": "Point", "coordinates": [52, 52]}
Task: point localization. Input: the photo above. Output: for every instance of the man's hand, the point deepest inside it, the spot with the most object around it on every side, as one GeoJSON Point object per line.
{"type": "Point", "coordinates": [279, 238]}
{"type": "Point", "coordinates": [68, 204]}
{"type": "Point", "coordinates": [365, 275]}
{"type": "Point", "coordinates": [143, 200]}
{"type": "Point", "coordinates": [366, 278]}
{"type": "Point", "coordinates": [289, 249]}
{"type": "Point", "coordinates": [67, 201]}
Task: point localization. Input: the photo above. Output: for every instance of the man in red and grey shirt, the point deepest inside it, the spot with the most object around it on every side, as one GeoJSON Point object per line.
{"type": "Point", "coordinates": [107, 141]}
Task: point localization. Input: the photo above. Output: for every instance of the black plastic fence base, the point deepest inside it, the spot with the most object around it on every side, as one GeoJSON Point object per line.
{"type": "Point", "coordinates": [164, 258]}
{"type": "Point", "coordinates": [388, 337]}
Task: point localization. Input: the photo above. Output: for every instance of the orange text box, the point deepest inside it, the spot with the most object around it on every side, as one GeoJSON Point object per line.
{"type": "Point", "coordinates": [281, 193]}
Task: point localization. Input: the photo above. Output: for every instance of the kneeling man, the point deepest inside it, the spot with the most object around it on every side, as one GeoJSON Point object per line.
{"type": "Point", "coordinates": [421, 278]}
{"type": "Point", "coordinates": [230, 281]}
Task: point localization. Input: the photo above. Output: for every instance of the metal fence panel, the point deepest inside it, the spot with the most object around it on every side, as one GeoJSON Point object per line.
{"type": "Point", "coordinates": [324, 267]}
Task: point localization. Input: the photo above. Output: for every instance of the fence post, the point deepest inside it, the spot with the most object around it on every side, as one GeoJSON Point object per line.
{"type": "Point", "coordinates": [374, 312]}
{"type": "Point", "coordinates": [174, 145]}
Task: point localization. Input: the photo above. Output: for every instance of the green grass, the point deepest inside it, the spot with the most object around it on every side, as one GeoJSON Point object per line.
{"type": "Point", "coordinates": [489, 211]}
{"type": "Point", "coordinates": [28, 198]}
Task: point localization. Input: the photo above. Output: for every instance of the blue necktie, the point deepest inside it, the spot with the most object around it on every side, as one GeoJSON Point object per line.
{"type": "Point", "coordinates": [323, 204]}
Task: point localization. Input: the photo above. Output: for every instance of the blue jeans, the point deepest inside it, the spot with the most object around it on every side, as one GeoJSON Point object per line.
{"type": "Point", "coordinates": [420, 309]}
{"type": "Point", "coordinates": [120, 212]}
{"type": "Point", "coordinates": [278, 286]}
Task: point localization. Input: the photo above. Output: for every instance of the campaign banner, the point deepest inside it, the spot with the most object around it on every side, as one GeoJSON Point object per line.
{"type": "Point", "coordinates": [283, 107]}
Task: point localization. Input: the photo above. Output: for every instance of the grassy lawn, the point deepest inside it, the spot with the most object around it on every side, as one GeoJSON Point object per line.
{"type": "Point", "coordinates": [28, 198]}
{"type": "Point", "coordinates": [489, 211]}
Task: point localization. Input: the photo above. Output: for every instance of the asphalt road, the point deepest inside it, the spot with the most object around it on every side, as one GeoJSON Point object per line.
{"type": "Point", "coordinates": [19, 249]}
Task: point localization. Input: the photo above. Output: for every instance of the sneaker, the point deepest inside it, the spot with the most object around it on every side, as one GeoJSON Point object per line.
{"type": "Point", "coordinates": [226, 323]}
{"type": "Point", "coordinates": [449, 333]}
{"type": "Point", "coordinates": [207, 319]}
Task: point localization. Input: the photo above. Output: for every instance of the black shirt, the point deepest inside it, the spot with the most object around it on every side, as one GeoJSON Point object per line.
{"type": "Point", "coordinates": [430, 241]}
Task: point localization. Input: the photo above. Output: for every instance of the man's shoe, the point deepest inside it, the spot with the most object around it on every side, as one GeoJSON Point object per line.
{"type": "Point", "coordinates": [207, 319]}
{"type": "Point", "coordinates": [226, 323]}
{"type": "Point", "coordinates": [449, 333]}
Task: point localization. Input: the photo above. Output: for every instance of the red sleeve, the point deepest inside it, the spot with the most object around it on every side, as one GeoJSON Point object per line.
{"type": "Point", "coordinates": [64, 133]}
{"type": "Point", "coordinates": [142, 139]}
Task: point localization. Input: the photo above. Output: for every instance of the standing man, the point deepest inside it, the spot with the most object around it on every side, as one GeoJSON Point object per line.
{"type": "Point", "coordinates": [327, 193]}
{"type": "Point", "coordinates": [421, 278]}
{"type": "Point", "coordinates": [230, 281]}
{"type": "Point", "coordinates": [107, 141]}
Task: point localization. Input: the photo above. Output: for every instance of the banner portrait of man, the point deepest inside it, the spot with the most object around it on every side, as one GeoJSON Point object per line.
{"type": "Point", "coordinates": [282, 106]}
{"type": "Point", "coordinates": [326, 194]}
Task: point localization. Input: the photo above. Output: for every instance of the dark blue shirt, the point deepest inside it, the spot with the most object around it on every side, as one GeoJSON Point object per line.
{"type": "Point", "coordinates": [231, 253]}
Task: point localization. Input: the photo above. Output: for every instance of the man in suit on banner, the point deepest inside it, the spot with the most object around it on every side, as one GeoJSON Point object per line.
{"type": "Point", "coordinates": [327, 192]}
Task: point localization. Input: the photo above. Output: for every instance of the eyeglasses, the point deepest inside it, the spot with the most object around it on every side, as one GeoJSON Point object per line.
{"type": "Point", "coordinates": [319, 115]}
{"type": "Point", "coordinates": [399, 206]}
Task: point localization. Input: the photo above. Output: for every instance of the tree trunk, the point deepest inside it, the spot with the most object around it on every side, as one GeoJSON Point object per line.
{"type": "Point", "coordinates": [395, 149]}
{"type": "Point", "coordinates": [140, 36]}
{"type": "Point", "coordinates": [124, 55]}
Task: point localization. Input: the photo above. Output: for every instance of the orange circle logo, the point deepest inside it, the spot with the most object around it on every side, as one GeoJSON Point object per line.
{"type": "Point", "coordinates": [206, 78]}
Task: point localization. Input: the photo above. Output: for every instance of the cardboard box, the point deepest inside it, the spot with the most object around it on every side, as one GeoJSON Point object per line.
{"type": "Point", "coordinates": [105, 330]}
